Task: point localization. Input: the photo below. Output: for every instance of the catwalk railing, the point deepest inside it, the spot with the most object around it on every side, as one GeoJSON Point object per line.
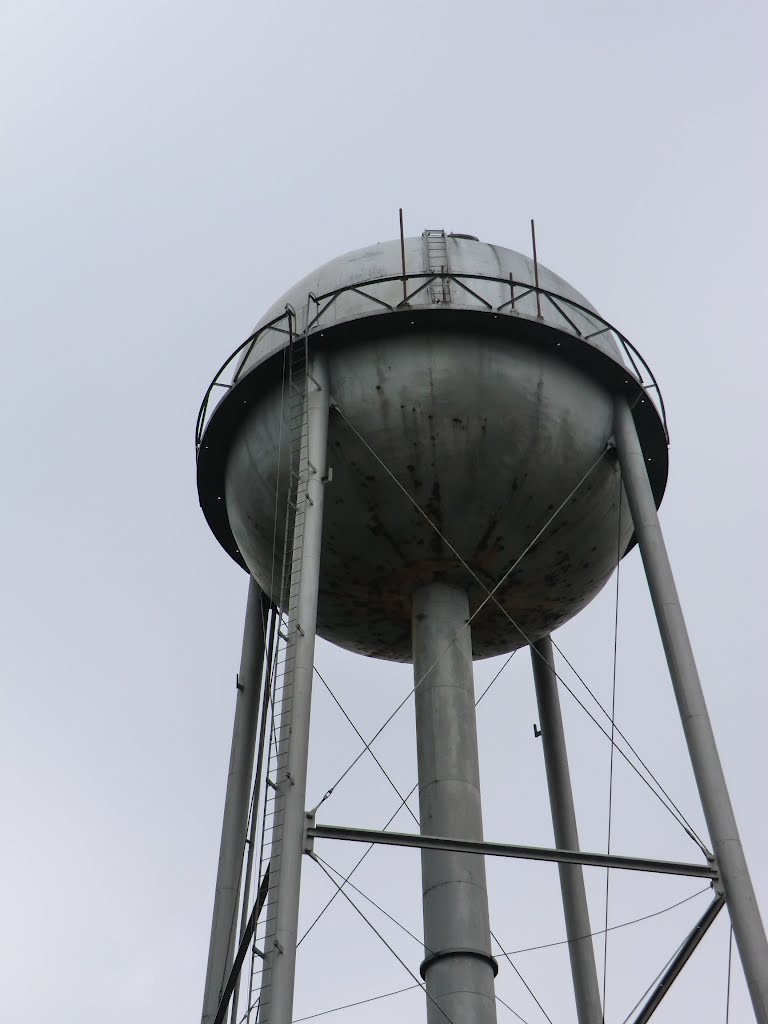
{"type": "Point", "coordinates": [478, 292]}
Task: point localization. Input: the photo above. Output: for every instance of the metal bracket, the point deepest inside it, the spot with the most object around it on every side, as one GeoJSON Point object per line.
{"type": "Point", "coordinates": [717, 882]}
{"type": "Point", "coordinates": [536, 731]}
{"type": "Point", "coordinates": [309, 841]}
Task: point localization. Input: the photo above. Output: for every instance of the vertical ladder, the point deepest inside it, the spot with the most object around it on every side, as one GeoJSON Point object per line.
{"type": "Point", "coordinates": [278, 777]}
{"type": "Point", "coordinates": [436, 262]}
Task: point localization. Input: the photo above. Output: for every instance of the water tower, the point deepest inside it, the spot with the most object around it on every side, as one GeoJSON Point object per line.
{"type": "Point", "coordinates": [526, 441]}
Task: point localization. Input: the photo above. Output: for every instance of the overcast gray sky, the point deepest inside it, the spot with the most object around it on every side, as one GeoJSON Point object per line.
{"type": "Point", "coordinates": [168, 169]}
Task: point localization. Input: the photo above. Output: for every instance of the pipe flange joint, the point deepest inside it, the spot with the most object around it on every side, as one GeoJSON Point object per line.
{"type": "Point", "coordinates": [479, 954]}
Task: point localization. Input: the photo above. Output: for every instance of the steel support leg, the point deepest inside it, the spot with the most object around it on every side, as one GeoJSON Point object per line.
{"type": "Point", "coordinates": [458, 968]}
{"type": "Point", "coordinates": [245, 909]}
{"type": "Point", "coordinates": [236, 803]}
{"type": "Point", "coordinates": [281, 953]}
{"type": "Point", "coordinates": [575, 909]}
{"type": "Point", "coordinates": [726, 844]}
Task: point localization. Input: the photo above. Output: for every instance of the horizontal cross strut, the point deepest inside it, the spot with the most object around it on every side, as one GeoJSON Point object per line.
{"type": "Point", "coordinates": [597, 860]}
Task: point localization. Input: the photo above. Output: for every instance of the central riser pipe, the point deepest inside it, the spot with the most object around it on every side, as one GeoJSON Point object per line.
{"type": "Point", "coordinates": [458, 967]}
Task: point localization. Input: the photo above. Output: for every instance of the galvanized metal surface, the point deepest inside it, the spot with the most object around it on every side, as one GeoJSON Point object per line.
{"type": "Point", "coordinates": [458, 968]}
{"type": "Point", "coordinates": [253, 853]}
{"type": "Point", "coordinates": [487, 420]}
{"type": "Point", "coordinates": [576, 322]}
{"type": "Point", "coordinates": [290, 679]}
{"type": "Point", "coordinates": [575, 909]}
{"type": "Point", "coordinates": [463, 255]}
{"type": "Point", "coordinates": [283, 907]}
{"type": "Point", "coordinates": [748, 927]}
{"type": "Point", "coordinates": [235, 824]}
{"type": "Point", "coordinates": [489, 438]}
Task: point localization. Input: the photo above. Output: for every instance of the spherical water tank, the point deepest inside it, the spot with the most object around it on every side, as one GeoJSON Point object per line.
{"type": "Point", "coordinates": [463, 415]}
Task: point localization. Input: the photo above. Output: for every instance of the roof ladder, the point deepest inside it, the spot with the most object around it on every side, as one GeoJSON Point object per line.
{"type": "Point", "coordinates": [436, 262]}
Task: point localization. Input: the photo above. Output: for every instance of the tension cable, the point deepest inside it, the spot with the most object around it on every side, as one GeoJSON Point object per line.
{"type": "Point", "coordinates": [376, 932]}
{"type": "Point", "coordinates": [489, 596]}
{"type": "Point", "coordinates": [671, 806]}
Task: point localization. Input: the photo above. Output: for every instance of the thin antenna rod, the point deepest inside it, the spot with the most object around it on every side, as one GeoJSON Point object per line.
{"type": "Point", "coordinates": [536, 270]}
{"type": "Point", "coordinates": [402, 255]}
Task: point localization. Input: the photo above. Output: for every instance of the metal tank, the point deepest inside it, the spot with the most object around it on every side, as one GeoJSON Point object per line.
{"type": "Point", "coordinates": [487, 401]}
{"type": "Point", "coordinates": [435, 450]}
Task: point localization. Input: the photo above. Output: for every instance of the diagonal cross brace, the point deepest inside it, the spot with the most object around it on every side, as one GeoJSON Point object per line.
{"type": "Point", "coordinates": [234, 974]}
{"type": "Point", "coordinates": [680, 959]}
